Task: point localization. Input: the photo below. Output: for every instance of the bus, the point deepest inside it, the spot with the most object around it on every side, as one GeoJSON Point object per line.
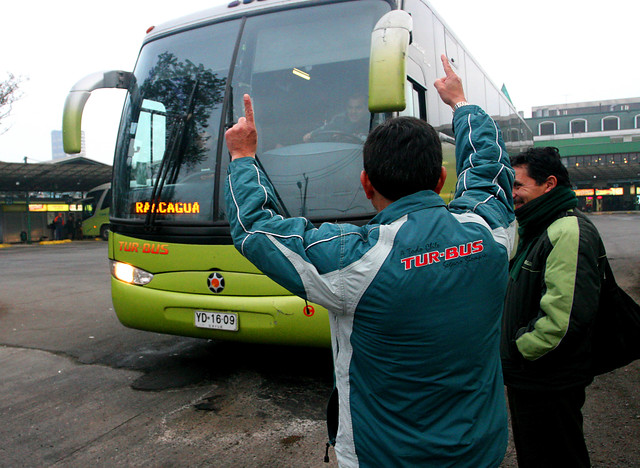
{"type": "Point", "coordinates": [305, 63]}
{"type": "Point", "coordinates": [95, 212]}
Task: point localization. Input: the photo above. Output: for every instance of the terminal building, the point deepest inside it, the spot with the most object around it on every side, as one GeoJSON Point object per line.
{"type": "Point", "coordinates": [600, 145]}
{"type": "Point", "coordinates": [32, 195]}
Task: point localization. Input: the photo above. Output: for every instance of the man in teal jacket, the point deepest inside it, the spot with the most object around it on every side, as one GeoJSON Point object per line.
{"type": "Point", "coordinates": [414, 297]}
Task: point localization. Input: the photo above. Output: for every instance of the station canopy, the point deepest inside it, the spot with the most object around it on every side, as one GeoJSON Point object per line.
{"type": "Point", "coordinates": [69, 174]}
{"type": "Point", "coordinates": [603, 174]}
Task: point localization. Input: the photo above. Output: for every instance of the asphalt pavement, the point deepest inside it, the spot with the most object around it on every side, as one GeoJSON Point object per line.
{"type": "Point", "coordinates": [79, 389]}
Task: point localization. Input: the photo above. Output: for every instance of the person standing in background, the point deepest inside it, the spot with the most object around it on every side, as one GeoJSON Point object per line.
{"type": "Point", "coordinates": [550, 306]}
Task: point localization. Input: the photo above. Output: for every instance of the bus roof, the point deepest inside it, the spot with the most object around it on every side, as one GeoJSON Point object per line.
{"type": "Point", "coordinates": [233, 8]}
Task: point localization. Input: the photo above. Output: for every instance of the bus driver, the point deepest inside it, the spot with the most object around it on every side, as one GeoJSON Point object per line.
{"type": "Point", "coordinates": [353, 124]}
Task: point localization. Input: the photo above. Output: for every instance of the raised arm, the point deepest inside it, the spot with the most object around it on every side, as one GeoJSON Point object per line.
{"type": "Point", "coordinates": [278, 246]}
{"type": "Point", "coordinates": [485, 176]}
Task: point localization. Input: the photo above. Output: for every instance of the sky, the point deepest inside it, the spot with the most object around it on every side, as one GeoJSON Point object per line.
{"type": "Point", "coordinates": [544, 51]}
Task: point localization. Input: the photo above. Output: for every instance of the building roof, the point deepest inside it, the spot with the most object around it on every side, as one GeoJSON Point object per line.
{"type": "Point", "coordinates": [578, 105]}
{"type": "Point", "coordinates": [70, 174]}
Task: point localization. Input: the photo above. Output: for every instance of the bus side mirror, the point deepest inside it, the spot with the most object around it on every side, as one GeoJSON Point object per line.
{"type": "Point", "coordinates": [387, 66]}
{"type": "Point", "coordinates": [77, 98]}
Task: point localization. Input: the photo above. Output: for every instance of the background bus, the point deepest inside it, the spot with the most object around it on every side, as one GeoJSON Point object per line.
{"type": "Point", "coordinates": [95, 212]}
{"type": "Point", "coordinates": [174, 269]}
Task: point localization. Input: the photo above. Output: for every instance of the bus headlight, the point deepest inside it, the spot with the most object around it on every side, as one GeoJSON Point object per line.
{"type": "Point", "coordinates": [130, 274]}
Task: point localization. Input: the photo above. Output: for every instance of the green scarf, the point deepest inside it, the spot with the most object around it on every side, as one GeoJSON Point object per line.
{"type": "Point", "coordinates": [533, 219]}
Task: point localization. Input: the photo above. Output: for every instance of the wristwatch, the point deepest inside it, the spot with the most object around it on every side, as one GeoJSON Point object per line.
{"type": "Point", "coordinates": [459, 105]}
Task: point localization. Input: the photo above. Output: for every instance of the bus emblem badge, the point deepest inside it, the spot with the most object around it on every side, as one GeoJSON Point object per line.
{"type": "Point", "coordinates": [215, 281]}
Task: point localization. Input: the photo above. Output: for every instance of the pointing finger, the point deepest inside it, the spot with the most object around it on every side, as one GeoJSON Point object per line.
{"type": "Point", "coordinates": [248, 108]}
{"type": "Point", "coordinates": [447, 67]}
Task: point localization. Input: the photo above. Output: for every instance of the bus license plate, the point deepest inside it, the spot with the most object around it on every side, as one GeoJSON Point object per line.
{"type": "Point", "coordinates": [217, 320]}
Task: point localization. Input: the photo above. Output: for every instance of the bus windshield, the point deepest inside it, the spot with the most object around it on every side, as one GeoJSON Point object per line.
{"type": "Point", "coordinates": [90, 203]}
{"type": "Point", "coordinates": [307, 72]}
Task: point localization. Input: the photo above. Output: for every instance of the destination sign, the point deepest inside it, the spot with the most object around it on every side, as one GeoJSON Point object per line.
{"type": "Point", "coordinates": [166, 207]}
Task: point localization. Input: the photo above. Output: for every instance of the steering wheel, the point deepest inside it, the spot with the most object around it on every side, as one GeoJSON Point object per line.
{"type": "Point", "coordinates": [334, 136]}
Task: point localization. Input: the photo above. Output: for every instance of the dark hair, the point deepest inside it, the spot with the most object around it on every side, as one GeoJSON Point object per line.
{"type": "Point", "coordinates": [542, 163]}
{"type": "Point", "coordinates": [403, 156]}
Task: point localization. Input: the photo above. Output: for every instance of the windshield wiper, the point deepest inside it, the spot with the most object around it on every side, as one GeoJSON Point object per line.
{"type": "Point", "coordinates": [172, 158]}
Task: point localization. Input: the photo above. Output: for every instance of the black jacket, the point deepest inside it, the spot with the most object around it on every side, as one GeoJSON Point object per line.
{"type": "Point", "coordinates": [550, 307]}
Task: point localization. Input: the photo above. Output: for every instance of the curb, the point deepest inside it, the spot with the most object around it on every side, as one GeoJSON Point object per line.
{"type": "Point", "coordinates": [22, 244]}
{"type": "Point", "coordinates": [63, 241]}
{"type": "Point", "coordinates": [635, 212]}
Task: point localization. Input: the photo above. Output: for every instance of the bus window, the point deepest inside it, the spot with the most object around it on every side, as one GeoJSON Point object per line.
{"type": "Point", "coordinates": [169, 132]}
{"type": "Point", "coordinates": [307, 73]}
{"type": "Point", "coordinates": [90, 202]}
{"type": "Point", "coordinates": [149, 143]}
{"type": "Point", "coordinates": [106, 201]}
{"type": "Point", "coordinates": [416, 101]}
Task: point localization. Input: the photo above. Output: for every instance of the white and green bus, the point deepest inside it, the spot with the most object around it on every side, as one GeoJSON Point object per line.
{"type": "Point", "coordinates": [174, 269]}
{"type": "Point", "coordinates": [95, 212]}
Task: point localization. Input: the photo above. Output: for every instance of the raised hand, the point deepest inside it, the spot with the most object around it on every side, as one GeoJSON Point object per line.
{"type": "Point", "coordinates": [242, 138]}
{"type": "Point", "coordinates": [450, 86]}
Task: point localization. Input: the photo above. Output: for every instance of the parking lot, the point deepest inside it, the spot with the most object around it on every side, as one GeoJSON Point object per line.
{"type": "Point", "coordinates": [78, 389]}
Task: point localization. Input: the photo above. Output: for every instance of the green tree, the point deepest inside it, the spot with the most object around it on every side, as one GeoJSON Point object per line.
{"type": "Point", "coordinates": [190, 92]}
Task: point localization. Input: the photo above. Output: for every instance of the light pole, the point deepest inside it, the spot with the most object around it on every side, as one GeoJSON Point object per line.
{"type": "Point", "coordinates": [28, 211]}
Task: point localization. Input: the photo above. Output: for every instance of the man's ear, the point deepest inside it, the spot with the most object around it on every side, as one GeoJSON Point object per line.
{"type": "Point", "coordinates": [367, 185]}
{"type": "Point", "coordinates": [441, 180]}
{"type": "Point", "coordinates": [550, 183]}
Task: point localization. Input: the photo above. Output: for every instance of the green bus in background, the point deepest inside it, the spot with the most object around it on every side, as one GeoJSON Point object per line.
{"type": "Point", "coordinates": [95, 212]}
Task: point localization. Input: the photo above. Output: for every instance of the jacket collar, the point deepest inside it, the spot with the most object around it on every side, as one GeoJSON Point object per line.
{"type": "Point", "coordinates": [414, 202]}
